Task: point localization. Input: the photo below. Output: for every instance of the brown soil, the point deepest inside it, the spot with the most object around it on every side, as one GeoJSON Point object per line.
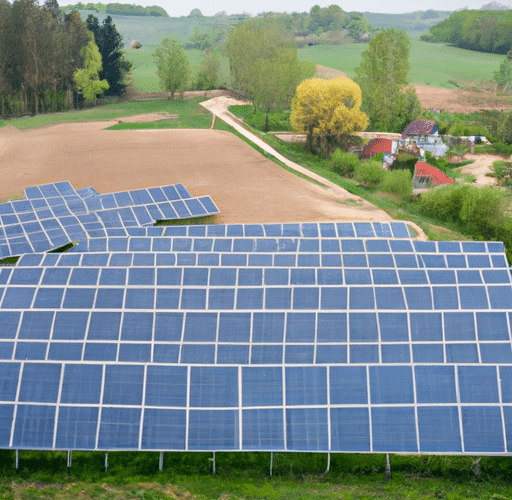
{"type": "Point", "coordinates": [245, 186]}
{"type": "Point", "coordinates": [325, 72]}
{"type": "Point", "coordinates": [480, 168]}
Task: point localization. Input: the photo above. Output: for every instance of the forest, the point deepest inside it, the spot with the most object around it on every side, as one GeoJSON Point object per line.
{"type": "Point", "coordinates": [482, 30]}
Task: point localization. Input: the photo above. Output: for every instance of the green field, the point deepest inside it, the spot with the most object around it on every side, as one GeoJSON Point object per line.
{"type": "Point", "coordinates": [189, 112]}
{"type": "Point", "coordinates": [151, 30]}
{"type": "Point", "coordinates": [436, 65]}
{"type": "Point", "coordinates": [143, 73]}
{"type": "Point", "coordinates": [431, 64]}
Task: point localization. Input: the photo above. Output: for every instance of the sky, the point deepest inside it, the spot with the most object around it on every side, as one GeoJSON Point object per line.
{"type": "Point", "coordinates": [209, 8]}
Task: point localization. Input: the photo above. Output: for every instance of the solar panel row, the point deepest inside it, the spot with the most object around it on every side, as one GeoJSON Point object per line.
{"type": "Point", "coordinates": [429, 409]}
{"type": "Point", "coordinates": [54, 215]}
{"type": "Point", "coordinates": [309, 337]}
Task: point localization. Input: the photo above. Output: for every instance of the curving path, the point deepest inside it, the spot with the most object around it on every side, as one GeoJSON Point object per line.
{"type": "Point", "coordinates": [219, 108]}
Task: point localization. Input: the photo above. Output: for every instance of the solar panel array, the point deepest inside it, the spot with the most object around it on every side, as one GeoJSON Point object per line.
{"type": "Point", "coordinates": [54, 215]}
{"type": "Point", "coordinates": [334, 337]}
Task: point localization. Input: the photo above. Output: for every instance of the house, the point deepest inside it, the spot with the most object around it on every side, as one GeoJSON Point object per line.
{"type": "Point", "coordinates": [376, 146]}
{"type": "Point", "coordinates": [420, 128]}
{"type": "Point", "coordinates": [426, 175]}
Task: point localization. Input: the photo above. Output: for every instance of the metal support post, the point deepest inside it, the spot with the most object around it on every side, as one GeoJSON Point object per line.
{"type": "Point", "coordinates": [161, 462]}
{"type": "Point", "coordinates": [106, 461]}
{"type": "Point", "coordinates": [70, 455]}
{"type": "Point", "coordinates": [17, 460]}
{"type": "Point", "coordinates": [213, 463]}
{"type": "Point", "coordinates": [328, 463]}
{"type": "Point", "coordinates": [387, 475]}
{"type": "Point", "coordinates": [271, 461]}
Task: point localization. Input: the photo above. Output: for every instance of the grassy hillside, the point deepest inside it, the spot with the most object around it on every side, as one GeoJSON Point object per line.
{"type": "Point", "coordinates": [432, 64]}
{"type": "Point", "coordinates": [415, 23]}
{"type": "Point", "coordinates": [143, 74]}
{"type": "Point", "coordinates": [151, 30]}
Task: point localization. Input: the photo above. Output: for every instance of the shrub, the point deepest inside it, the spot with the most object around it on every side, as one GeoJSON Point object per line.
{"type": "Point", "coordinates": [505, 129]}
{"type": "Point", "coordinates": [344, 163]}
{"type": "Point", "coordinates": [498, 148]}
{"type": "Point", "coordinates": [479, 211]}
{"type": "Point", "coordinates": [369, 173]}
{"type": "Point", "coordinates": [440, 163]}
{"type": "Point", "coordinates": [405, 161]}
{"type": "Point", "coordinates": [397, 182]}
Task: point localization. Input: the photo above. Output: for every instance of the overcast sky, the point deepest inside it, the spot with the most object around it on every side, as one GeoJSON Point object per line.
{"type": "Point", "coordinates": [209, 8]}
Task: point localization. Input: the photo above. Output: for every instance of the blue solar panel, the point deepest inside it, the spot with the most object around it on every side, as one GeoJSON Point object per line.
{"type": "Point", "coordinates": [309, 337]}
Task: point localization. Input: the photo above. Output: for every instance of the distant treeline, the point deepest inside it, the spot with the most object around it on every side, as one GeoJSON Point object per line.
{"type": "Point", "coordinates": [119, 9]}
{"type": "Point", "coordinates": [482, 30]}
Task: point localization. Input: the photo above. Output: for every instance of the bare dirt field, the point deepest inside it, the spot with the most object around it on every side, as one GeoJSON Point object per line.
{"type": "Point", "coordinates": [245, 186]}
{"type": "Point", "coordinates": [480, 168]}
{"type": "Point", "coordinates": [462, 100]}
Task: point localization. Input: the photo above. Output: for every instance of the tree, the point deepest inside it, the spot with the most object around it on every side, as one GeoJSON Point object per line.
{"type": "Point", "coordinates": [382, 76]}
{"type": "Point", "coordinates": [263, 63]}
{"type": "Point", "coordinates": [327, 110]}
{"type": "Point", "coordinates": [195, 13]}
{"type": "Point", "coordinates": [53, 8]}
{"type": "Point", "coordinates": [276, 79]}
{"type": "Point", "coordinates": [87, 79]}
{"type": "Point", "coordinates": [173, 66]}
{"type": "Point", "coordinates": [503, 76]}
{"type": "Point", "coordinates": [208, 73]}
{"type": "Point", "coordinates": [110, 44]}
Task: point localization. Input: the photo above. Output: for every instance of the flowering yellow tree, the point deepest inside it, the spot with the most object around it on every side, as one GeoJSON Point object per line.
{"type": "Point", "coordinates": [327, 110]}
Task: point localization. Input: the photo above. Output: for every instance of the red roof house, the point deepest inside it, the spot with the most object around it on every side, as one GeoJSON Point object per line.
{"type": "Point", "coordinates": [376, 146]}
{"type": "Point", "coordinates": [435, 176]}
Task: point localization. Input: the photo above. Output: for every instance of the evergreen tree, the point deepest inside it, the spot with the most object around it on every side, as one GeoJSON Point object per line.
{"type": "Point", "coordinates": [110, 45]}
{"type": "Point", "coordinates": [53, 7]}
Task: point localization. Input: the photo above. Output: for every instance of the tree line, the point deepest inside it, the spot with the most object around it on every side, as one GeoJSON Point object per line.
{"type": "Point", "coordinates": [50, 62]}
{"type": "Point", "coordinates": [482, 30]}
{"type": "Point", "coordinates": [39, 52]}
{"type": "Point", "coordinates": [119, 9]}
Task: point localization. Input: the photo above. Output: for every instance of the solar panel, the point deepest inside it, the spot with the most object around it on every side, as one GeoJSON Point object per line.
{"type": "Point", "coordinates": [54, 215]}
{"type": "Point", "coordinates": [339, 337]}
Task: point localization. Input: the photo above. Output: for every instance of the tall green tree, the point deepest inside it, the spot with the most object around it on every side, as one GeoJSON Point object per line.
{"type": "Point", "coordinates": [208, 73]}
{"type": "Point", "coordinates": [110, 44]}
{"type": "Point", "coordinates": [172, 66]}
{"type": "Point", "coordinates": [5, 17]}
{"type": "Point", "coordinates": [503, 77]}
{"type": "Point", "coordinates": [382, 75]}
{"type": "Point", "coordinates": [264, 65]}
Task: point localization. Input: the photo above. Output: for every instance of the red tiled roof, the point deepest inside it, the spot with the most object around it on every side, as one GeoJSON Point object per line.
{"type": "Point", "coordinates": [376, 146]}
{"type": "Point", "coordinates": [438, 177]}
{"type": "Point", "coordinates": [420, 127]}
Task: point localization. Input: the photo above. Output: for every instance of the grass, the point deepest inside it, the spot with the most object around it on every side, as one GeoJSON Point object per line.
{"type": "Point", "coordinates": [187, 109]}
{"type": "Point", "coordinates": [297, 476]}
{"type": "Point", "coordinates": [151, 30]}
{"type": "Point", "coordinates": [144, 76]}
{"type": "Point", "coordinates": [437, 65]}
